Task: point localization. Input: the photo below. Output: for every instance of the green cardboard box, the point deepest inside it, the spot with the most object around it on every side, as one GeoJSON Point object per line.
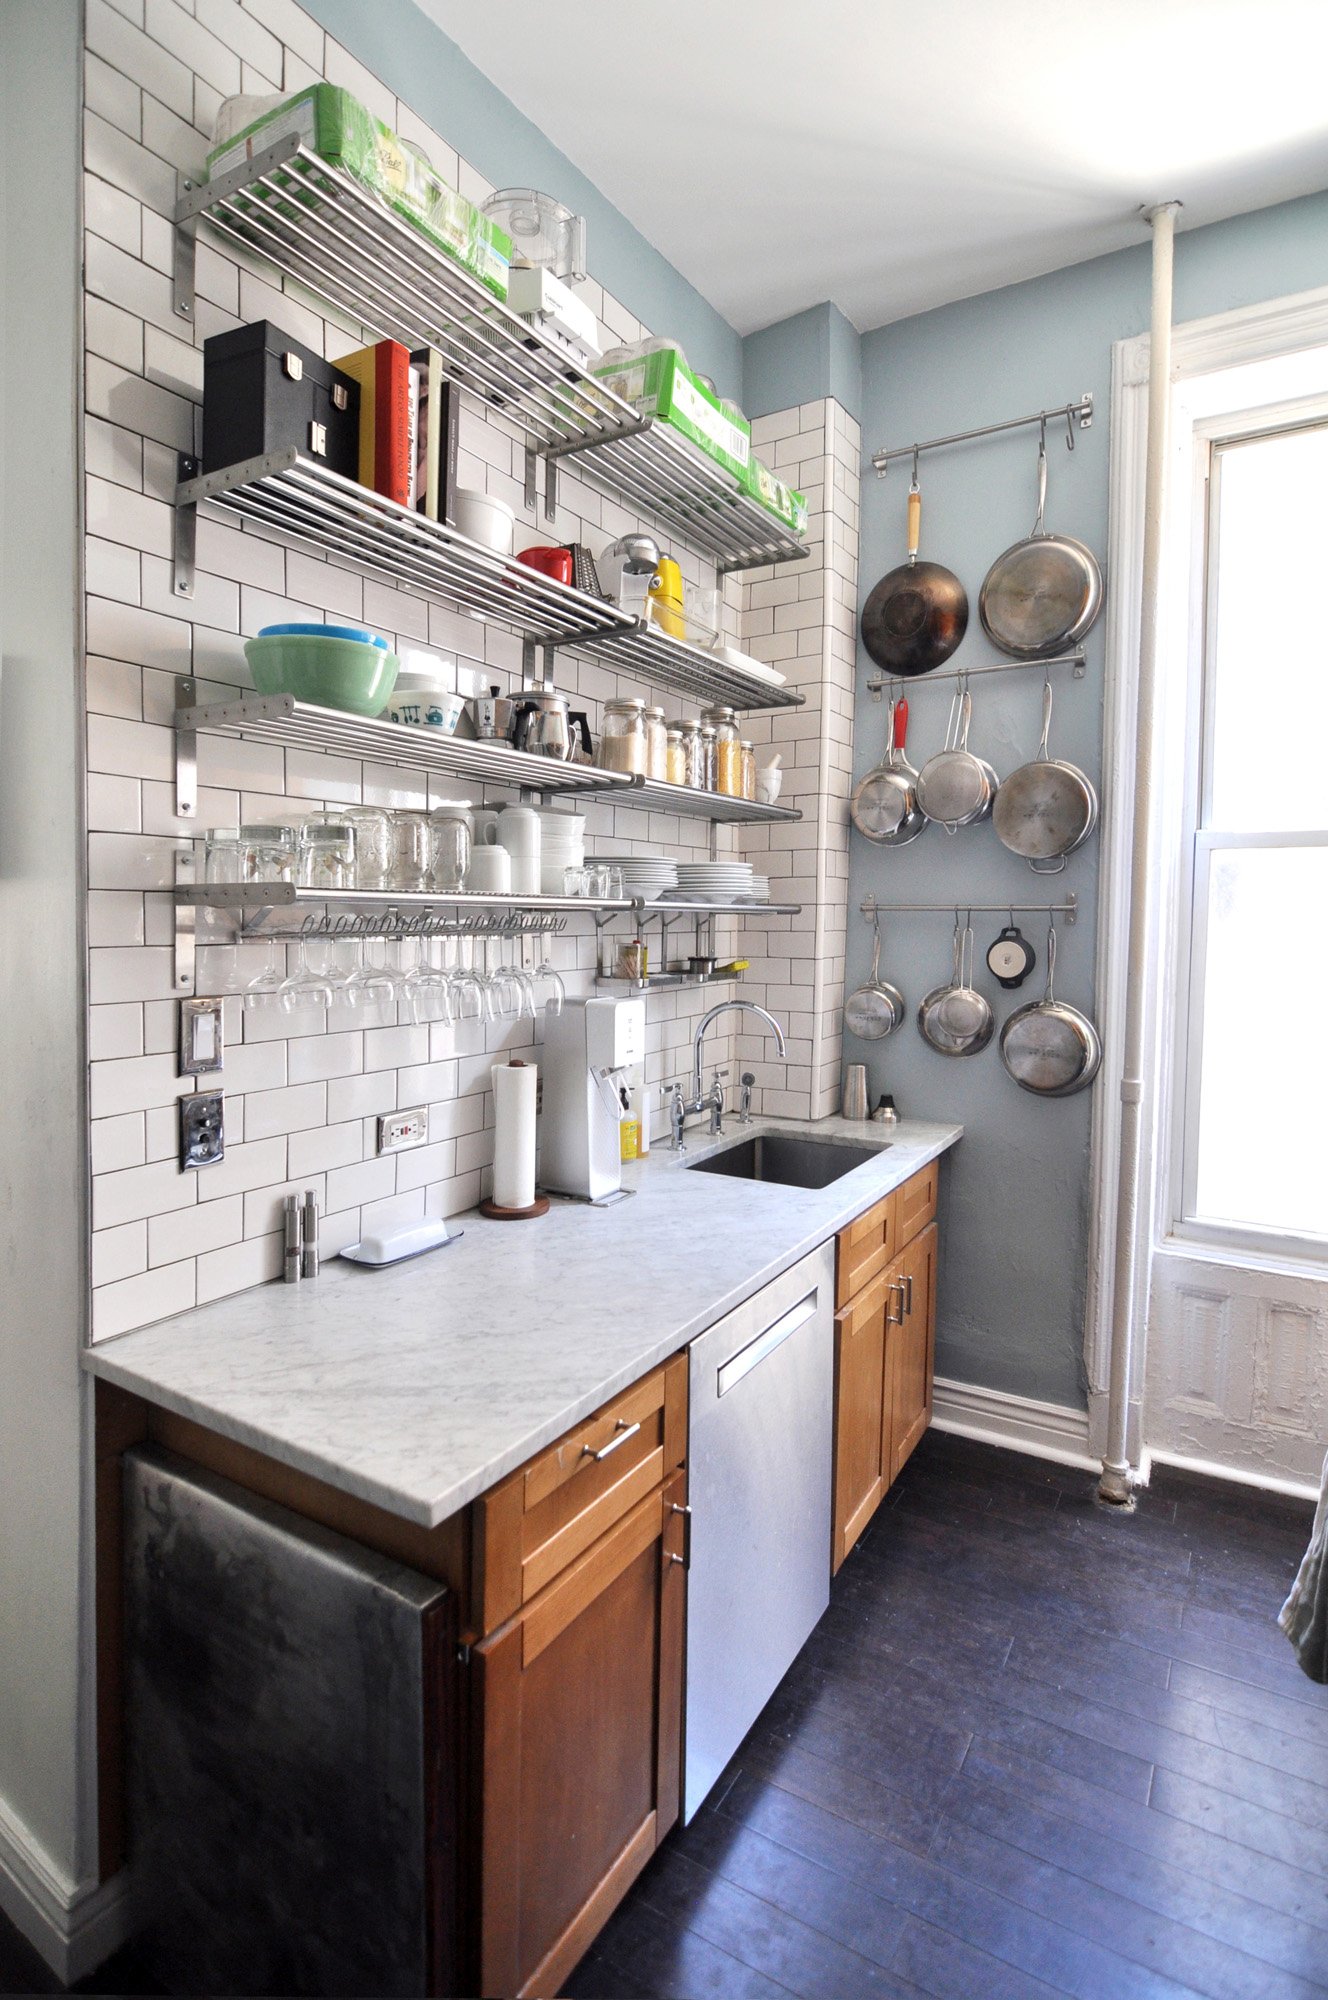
{"type": "Point", "coordinates": [775, 495]}
{"type": "Point", "coordinates": [661, 385]}
{"type": "Point", "coordinates": [342, 131]}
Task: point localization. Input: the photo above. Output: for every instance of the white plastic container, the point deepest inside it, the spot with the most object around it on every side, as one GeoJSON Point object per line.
{"type": "Point", "coordinates": [490, 522]}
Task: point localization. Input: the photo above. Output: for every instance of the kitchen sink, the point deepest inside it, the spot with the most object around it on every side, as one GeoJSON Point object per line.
{"type": "Point", "coordinates": [791, 1161]}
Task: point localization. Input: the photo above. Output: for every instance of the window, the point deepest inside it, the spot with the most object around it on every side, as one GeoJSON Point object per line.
{"type": "Point", "coordinates": [1255, 1142]}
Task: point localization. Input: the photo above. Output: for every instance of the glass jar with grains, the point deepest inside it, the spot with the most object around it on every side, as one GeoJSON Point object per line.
{"type": "Point", "coordinates": [675, 755]}
{"type": "Point", "coordinates": [622, 739]}
{"type": "Point", "coordinates": [728, 751]}
{"type": "Point", "coordinates": [656, 744]}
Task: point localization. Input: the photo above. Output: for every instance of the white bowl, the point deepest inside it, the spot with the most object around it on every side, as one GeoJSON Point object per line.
{"type": "Point", "coordinates": [427, 707]}
{"type": "Point", "coordinates": [483, 519]}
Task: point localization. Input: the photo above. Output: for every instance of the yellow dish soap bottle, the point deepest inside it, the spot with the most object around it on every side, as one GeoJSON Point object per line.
{"type": "Point", "coordinates": [666, 598]}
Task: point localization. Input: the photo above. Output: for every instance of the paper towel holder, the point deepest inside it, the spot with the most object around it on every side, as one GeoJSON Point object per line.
{"type": "Point", "coordinates": [497, 1213]}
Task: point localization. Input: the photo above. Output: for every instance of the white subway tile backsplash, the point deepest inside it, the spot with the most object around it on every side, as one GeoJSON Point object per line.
{"type": "Point", "coordinates": [327, 1146]}
{"type": "Point", "coordinates": [138, 1301]}
{"type": "Point", "coordinates": [361, 1096]}
{"type": "Point", "coordinates": [294, 1109]}
{"type": "Point", "coordinates": [222, 1272]}
{"type": "Point", "coordinates": [190, 1232]}
{"type": "Point", "coordinates": [246, 1166]}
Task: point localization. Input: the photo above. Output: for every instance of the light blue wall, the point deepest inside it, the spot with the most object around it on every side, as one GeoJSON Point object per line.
{"type": "Point", "coordinates": [44, 1723]}
{"type": "Point", "coordinates": [815, 353]}
{"type": "Point", "coordinates": [429, 72]}
{"type": "Point", "coordinates": [1012, 1290]}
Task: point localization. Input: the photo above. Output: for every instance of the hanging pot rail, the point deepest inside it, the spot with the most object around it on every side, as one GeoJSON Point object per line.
{"type": "Point", "coordinates": [1080, 413]}
{"type": "Point", "coordinates": [1069, 909]}
{"type": "Point", "coordinates": [1075, 660]}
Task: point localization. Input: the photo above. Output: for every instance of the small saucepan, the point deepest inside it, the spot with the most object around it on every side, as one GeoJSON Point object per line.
{"type": "Point", "coordinates": [955, 787]}
{"type": "Point", "coordinates": [956, 1020]}
{"type": "Point", "coordinates": [876, 1009]}
{"type": "Point", "coordinates": [1047, 808]}
{"type": "Point", "coordinates": [885, 804]}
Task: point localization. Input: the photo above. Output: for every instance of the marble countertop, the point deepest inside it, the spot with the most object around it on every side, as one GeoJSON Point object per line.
{"type": "Point", "coordinates": [418, 1386]}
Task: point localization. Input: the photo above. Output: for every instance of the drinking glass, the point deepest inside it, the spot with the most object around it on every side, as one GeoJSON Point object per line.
{"type": "Point", "coordinates": [426, 988]}
{"type": "Point", "coordinates": [264, 991]}
{"type": "Point", "coordinates": [305, 987]}
{"type": "Point", "coordinates": [466, 987]}
{"type": "Point", "coordinates": [372, 989]}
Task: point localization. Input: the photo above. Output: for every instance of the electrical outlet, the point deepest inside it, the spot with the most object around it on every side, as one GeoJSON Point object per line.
{"type": "Point", "coordinates": [399, 1129]}
{"type": "Point", "coordinates": [202, 1129]}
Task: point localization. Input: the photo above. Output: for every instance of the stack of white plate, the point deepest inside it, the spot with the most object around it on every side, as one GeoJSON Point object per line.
{"type": "Point", "coordinates": [714, 881]}
{"type": "Point", "coordinates": [760, 889]}
{"type": "Point", "coordinates": [562, 846]}
{"type": "Point", "coordinates": [644, 875]}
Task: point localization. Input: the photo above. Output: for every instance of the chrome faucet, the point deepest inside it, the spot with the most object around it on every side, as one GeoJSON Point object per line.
{"type": "Point", "coordinates": [681, 1108]}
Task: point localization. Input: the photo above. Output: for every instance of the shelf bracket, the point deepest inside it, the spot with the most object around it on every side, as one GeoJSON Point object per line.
{"type": "Point", "coordinates": [184, 252]}
{"type": "Point", "coordinates": [532, 492]}
{"type": "Point", "coordinates": [186, 925]}
{"type": "Point", "coordinates": [186, 750]}
{"type": "Point", "coordinates": [184, 539]}
{"type": "Point", "coordinates": [550, 488]}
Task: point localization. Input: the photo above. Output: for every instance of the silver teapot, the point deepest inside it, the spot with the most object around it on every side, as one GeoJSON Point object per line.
{"type": "Point", "coordinates": [545, 725]}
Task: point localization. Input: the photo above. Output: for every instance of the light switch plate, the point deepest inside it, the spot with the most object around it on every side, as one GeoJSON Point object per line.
{"type": "Point", "coordinates": [202, 1043]}
{"type": "Point", "coordinates": [202, 1130]}
{"type": "Point", "coordinates": [399, 1129]}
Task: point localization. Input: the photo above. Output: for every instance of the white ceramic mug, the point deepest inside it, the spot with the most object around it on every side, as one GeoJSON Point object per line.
{"type": "Point", "coordinates": [490, 871]}
{"type": "Point", "coordinates": [519, 830]}
{"type": "Point", "coordinates": [484, 825]}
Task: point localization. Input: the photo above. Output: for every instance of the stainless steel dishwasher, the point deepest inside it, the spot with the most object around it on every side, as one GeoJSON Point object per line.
{"type": "Point", "coordinates": [759, 1469]}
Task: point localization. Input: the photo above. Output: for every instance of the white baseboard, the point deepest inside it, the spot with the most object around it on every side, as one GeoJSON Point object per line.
{"type": "Point", "coordinates": [1268, 1482]}
{"type": "Point", "coordinates": [1020, 1423]}
{"type": "Point", "coordinates": [74, 1925]}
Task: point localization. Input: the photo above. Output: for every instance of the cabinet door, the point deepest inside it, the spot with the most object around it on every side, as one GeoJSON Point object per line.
{"type": "Point", "coordinates": [862, 1415]}
{"type": "Point", "coordinates": [579, 1703]}
{"type": "Point", "coordinates": [913, 1346]}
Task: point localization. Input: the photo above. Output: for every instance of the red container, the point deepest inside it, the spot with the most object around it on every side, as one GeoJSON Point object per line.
{"type": "Point", "coordinates": [556, 563]}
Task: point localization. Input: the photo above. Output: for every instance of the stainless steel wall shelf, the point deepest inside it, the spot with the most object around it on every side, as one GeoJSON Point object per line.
{"type": "Point", "coordinates": [663, 662]}
{"type": "Point", "coordinates": [320, 226]}
{"type": "Point", "coordinates": [304, 726]}
{"type": "Point", "coordinates": [714, 806]}
{"type": "Point", "coordinates": [659, 472]}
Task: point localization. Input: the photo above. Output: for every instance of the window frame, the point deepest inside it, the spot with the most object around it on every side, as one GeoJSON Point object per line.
{"type": "Point", "coordinates": [1200, 840]}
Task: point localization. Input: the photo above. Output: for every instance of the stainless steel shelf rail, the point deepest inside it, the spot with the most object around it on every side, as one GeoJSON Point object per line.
{"type": "Point", "coordinates": [320, 226]}
{"type": "Point", "coordinates": [1080, 413]}
{"type": "Point", "coordinates": [660, 473]}
{"type": "Point", "coordinates": [1069, 909]}
{"type": "Point", "coordinates": [308, 504]}
{"type": "Point", "coordinates": [1075, 660]}
{"type": "Point", "coordinates": [302, 725]}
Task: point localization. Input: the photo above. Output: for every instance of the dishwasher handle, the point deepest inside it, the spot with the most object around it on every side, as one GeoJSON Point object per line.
{"type": "Point", "coordinates": [764, 1345]}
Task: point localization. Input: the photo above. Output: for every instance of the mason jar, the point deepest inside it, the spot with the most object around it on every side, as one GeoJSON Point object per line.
{"type": "Point", "coordinates": [622, 737]}
{"type": "Point", "coordinates": [657, 749]}
{"type": "Point", "coordinates": [373, 844]}
{"type": "Point", "coordinates": [327, 854]}
{"type": "Point", "coordinates": [708, 756]}
{"type": "Point", "coordinates": [728, 751]}
{"type": "Point", "coordinates": [675, 755]}
{"type": "Point", "coordinates": [694, 751]}
{"type": "Point", "coordinates": [267, 853]}
{"type": "Point", "coordinates": [748, 769]}
{"type": "Point", "coordinates": [412, 851]}
{"type": "Point", "coordinates": [449, 848]}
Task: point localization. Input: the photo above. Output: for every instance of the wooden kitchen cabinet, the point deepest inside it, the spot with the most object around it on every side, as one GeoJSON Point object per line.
{"type": "Point", "coordinates": [884, 1350]}
{"type": "Point", "coordinates": [577, 1727]}
{"type": "Point", "coordinates": [912, 1345]}
{"type": "Point", "coordinates": [863, 1397]}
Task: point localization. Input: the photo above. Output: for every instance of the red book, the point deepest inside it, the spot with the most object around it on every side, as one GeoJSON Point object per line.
{"type": "Point", "coordinates": [386, 444]}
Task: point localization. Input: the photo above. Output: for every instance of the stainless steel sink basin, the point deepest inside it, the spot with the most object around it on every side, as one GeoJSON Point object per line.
{"type": "Point", "coordinates": [787, 1159]}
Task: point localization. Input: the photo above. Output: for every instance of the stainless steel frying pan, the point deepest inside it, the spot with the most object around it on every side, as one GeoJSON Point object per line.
{"type": "Point", "coordinates": [1045, 592]}
{"type": "Point", "coordinates": [1049, 1048]}
{"type": "Point", "coordinates": [1047, 807]}
{"type": "Point", "coordinates": [876, 1009]}
{"type": "Point", "coordinates": [885, 805]}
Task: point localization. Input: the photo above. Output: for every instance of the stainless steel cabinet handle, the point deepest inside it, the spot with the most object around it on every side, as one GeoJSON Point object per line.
{"type": "Point", "coordinates": [625, 1431]}
{"type": "Point", "coordinates": [686, 1557]}
{"type": "Point", "coordinates": [908, 1280]}
{"type": "Point", "coordinates": [755, 1352]}
{"type": "Point", "coordinates": [896, 1285]}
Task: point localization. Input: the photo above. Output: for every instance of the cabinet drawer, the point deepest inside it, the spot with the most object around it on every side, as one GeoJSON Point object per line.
{"type": "Point", "coordinates": [916, 1201]}
{"type": "Point", "coordinates": [865, 1248]}
{"type": "Point", "coordinates": [546, 1514]}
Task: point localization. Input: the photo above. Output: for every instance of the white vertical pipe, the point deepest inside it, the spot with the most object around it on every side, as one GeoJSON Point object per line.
{"type": "Point", "coordinates": [1131, 1225]}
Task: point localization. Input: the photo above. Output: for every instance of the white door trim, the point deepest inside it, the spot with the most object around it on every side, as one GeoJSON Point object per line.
{"type": "Point", "coordinates": [1269, 329]}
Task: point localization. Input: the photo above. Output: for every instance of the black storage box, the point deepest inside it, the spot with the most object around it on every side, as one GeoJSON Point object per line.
{"type": "Point", "coordinates": [263, 391]}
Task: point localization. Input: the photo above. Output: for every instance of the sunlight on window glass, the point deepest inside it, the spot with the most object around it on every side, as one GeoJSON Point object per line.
{"type": "Point", "coordinates": [1263, 1101]}
{"type": "Point", "coordinates": [1270, 657]}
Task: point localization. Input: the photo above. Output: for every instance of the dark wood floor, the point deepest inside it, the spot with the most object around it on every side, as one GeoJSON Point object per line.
{"type": "Point", "coordinates": [1031, 1750]}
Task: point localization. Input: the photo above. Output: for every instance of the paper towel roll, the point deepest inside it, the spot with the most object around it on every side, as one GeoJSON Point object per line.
{"type": "Point", "coordinates": [514, 1086]}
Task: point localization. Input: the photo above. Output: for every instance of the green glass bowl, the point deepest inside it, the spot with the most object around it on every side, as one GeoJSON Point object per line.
{"type": "Point", "coordinates": [334, 673]}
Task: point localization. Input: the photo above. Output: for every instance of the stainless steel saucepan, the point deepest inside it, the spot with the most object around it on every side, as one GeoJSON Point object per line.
{"type": "Point", "coordinates": [876, 1009]}
{"type": "Point", "coordinates": [955, 787]}
{"type": "Point", "coordinates": [1048, 1047]}
{"type": "Point", "coordinates": [1047, 807]}
{"type": "Point", "coordinates": [885, 805]}
{"type": "Point", "coordinates": [956, 1020]}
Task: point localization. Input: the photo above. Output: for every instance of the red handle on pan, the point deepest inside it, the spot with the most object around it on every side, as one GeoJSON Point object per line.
{"type": "Point", "coordinates": [901, 723]}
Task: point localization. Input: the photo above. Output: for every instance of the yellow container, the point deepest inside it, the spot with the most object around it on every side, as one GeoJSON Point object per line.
{"type": "Point", "coordinates": [666, 598]}
{"type": "Point", "coordinates": [629, 1139]}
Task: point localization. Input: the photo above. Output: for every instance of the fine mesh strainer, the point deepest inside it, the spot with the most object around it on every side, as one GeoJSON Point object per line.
{"type": "Point", "coordinates": [1047, 1047]}
{"type": "Point", "coordinates": [956, 1020]}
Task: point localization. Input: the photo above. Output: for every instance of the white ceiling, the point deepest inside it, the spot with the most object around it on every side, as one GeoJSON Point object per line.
{"type": "Point", "coordinates": [893, 157]}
